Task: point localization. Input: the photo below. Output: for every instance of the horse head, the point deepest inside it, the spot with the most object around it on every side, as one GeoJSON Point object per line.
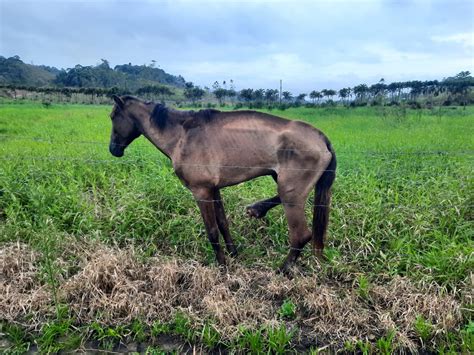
{"type": "Point", "coordinates": [124, 127]}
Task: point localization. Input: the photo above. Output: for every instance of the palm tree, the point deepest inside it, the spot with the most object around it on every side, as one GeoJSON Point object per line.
{"type": "Point", "coordinates": [314, 95]}
{"type": "Point", "coordinates": [258, 95]}
{"type": "Point", "coordinates": [287, 96]}
{"type": "Point", "coordinates": [271, 95]}
{"type": "Point", "coordinates": [300, 97]}
{"type": "Point", "coordinates": [344, 93]}
{"type": "Point", "coordinates": [246, 95]}
{"type": "Point", "coordinates": [360, 91]}
{"type": "Point", "coordinates": [329, 93]}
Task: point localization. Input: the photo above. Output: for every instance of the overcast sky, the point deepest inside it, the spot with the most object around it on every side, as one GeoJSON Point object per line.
{"type": "Point", "coordinates": [308, 44]}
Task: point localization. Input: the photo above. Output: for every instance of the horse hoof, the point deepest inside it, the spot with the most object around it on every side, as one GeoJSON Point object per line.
{"type": "Point", "coordinates": [254, 213]}
{"type": "Point", "coordinates": [320, 256]}
{"type": "Point", "coordinates": [233, 252]}
{"type": "Point", "coordinates": [285, 271]}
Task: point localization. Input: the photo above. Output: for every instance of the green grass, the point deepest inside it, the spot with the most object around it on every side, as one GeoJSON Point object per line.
{"type": "Point", "coordinates": [402, 201]}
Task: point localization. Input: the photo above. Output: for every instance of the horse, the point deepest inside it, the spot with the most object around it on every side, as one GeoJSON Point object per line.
{"type": "Point", "coordinates": [211, 149]}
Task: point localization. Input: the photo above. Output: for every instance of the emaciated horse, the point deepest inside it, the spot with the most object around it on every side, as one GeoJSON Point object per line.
{"type": "Point", "coordinates": [210, 149]}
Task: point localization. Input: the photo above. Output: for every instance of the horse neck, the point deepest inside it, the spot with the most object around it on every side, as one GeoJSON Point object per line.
{"type": "Point", "coordinates": [165, 139]}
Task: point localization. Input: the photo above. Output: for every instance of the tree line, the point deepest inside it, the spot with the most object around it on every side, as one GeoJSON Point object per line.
{"type": "Point", "coordinates": [84, 95]}
{"type": "Point", "coordinates": [456, 90]}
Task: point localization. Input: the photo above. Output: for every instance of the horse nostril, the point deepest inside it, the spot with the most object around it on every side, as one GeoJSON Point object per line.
{"type": "Point", "coordinates": [116, 150]}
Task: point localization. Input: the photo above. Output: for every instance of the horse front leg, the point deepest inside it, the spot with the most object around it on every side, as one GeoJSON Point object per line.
{"type": "Point", "coordinates": [205, 200]}
{"type": "Point", "coordinates": [259, 209]}
{"type": "Point", "coordinates": [223, 224]}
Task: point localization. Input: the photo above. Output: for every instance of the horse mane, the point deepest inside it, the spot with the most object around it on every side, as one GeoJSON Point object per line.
{"type": "Point", "coordinates": [160, 117]}
{"type": "Point", "coordinates": [199, 118]}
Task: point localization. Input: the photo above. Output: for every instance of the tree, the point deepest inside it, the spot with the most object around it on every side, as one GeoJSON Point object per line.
{"type": "Point", "coordinates": [193, 93]}
{"type": "Point", "coordinates": [316, 95]}
{"type": "Point", "coordinates": [258, 95]}
{"type": "Point", "coordinates": [344, 93]}
{"type": "Point", "coordinates": [246, 95]}
{"type": "Point", "coordinates": [220, 95]}
{"type": "Point", "coordinates": [287, 96]}
{"type": "Point", "coordinates": [300, 98]}
{"type": "Point", "coordinates": [360, 91]}
{"type": "Point", "coordinates": [271, 95]}
{"type": "Point", "coordinates": [459, 86]}
{"type": "Point", "coordinates": [378, 91]}
{"type": "Point", "coordinates": [328, 92]}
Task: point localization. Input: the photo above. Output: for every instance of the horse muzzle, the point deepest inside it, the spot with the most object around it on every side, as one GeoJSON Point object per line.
{"type": "Point", "coordinates": [116, 150]}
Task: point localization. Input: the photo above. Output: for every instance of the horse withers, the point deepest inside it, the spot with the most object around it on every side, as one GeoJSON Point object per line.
{"type": "Point", "coordinates": [210, 149]}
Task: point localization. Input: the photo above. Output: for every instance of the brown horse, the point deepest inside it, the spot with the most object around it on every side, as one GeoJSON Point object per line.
{"type": "Point", "coordinates": [210, 150]}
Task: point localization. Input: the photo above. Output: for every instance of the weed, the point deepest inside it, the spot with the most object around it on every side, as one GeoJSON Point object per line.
{"type": "Point", "coordinates": [17, 337]}
{"type": "Point", "coordinates": [152, 350]}
{"type": "Point", "coordinates": [385, 344]}
{"type": "Point", "coordinates": [159, 328]}
{"type": "Point", "coordinates": [287, 309]}
{"type": "Point", "coordinates": [279, 339]}
{"type": "Point", "coordinates": [181, 326]}
{"type": "Point", "coordinates": [350, 346]}
{"type": "Point", "coordinates": [423, 328]}
{"type": "Point", "coordinates": [139, 331]}
{"type": "Point", "coordinates": [364, 347]}
{"type": "Point", "coordinates": [364, 287]}
{"type": "Point", "coordinates": [210, 336]}
{"type": "Point", "coordinates": [58, 335]}
{"type": "Point", "coordinates": [251, 340]}
{"type": "Point", "coordinates": [108, 337]}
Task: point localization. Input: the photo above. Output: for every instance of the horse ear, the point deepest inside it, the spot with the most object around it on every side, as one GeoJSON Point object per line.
{"type": "Point", "coordinates": [118, 100]}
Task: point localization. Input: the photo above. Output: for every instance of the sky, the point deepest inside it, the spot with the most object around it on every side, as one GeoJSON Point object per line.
{"type": "Point", "coordinates": [309, 45]}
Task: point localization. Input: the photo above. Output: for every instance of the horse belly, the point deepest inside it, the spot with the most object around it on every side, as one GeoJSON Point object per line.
{"type": "Point", "coordinates": [245, 164]}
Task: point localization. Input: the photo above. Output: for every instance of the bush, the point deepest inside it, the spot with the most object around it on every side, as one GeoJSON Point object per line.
{"type": "Point", "coordinates": [358, 104]}
{"type": "Point", "coordinates": [414, 105]}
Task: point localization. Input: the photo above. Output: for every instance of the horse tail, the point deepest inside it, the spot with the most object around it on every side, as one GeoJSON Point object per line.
{"type": "Point", "coordinates": [322, 201]}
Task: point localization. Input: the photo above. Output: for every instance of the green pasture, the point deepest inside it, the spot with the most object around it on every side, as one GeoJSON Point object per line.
{"type": "Point", "coordinates": [402, 201]}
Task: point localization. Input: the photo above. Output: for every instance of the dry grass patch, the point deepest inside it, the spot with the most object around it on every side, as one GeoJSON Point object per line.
{"type": "Point", "coordinates": [22, 292]}
{"type": "Point", "coordinates": [113, 287]}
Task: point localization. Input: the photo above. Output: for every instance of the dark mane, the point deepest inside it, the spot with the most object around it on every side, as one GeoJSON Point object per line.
{"type": "Point", "coordinates": [206, 114]}
{"type": "Point", "coordinates": [191, 119]}
{"type": "Point", "coordinates": [129, 97]}
{"type": "Point", "coordinates": [159, 116]}
{"type": "Point", "coordinates": [199, 118]}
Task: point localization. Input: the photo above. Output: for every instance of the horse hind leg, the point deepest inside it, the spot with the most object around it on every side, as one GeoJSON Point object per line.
{"type": "Point", "coordinates": [259, 209]}
{"type": "Point", "coordinates": [293, 189]}
{"type": "Point", "coordinates": [299, 233]}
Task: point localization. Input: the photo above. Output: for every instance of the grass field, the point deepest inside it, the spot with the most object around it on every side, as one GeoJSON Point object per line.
{"type": "Point", "coordinates": [105, 252]}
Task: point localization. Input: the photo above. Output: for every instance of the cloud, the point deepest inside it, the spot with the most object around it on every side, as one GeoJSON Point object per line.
{"type": "Point", "coordinates": [308, 44]}
{"type": "Point", "coordinates": [466, 39]}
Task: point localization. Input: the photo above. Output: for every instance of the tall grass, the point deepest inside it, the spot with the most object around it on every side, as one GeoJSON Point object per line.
{"type": "Point", "coordinates": [402, 202]}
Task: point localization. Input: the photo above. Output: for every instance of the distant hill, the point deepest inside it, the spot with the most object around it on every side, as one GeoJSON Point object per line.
{"type": "Point", "coordinates": [14, 71]}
